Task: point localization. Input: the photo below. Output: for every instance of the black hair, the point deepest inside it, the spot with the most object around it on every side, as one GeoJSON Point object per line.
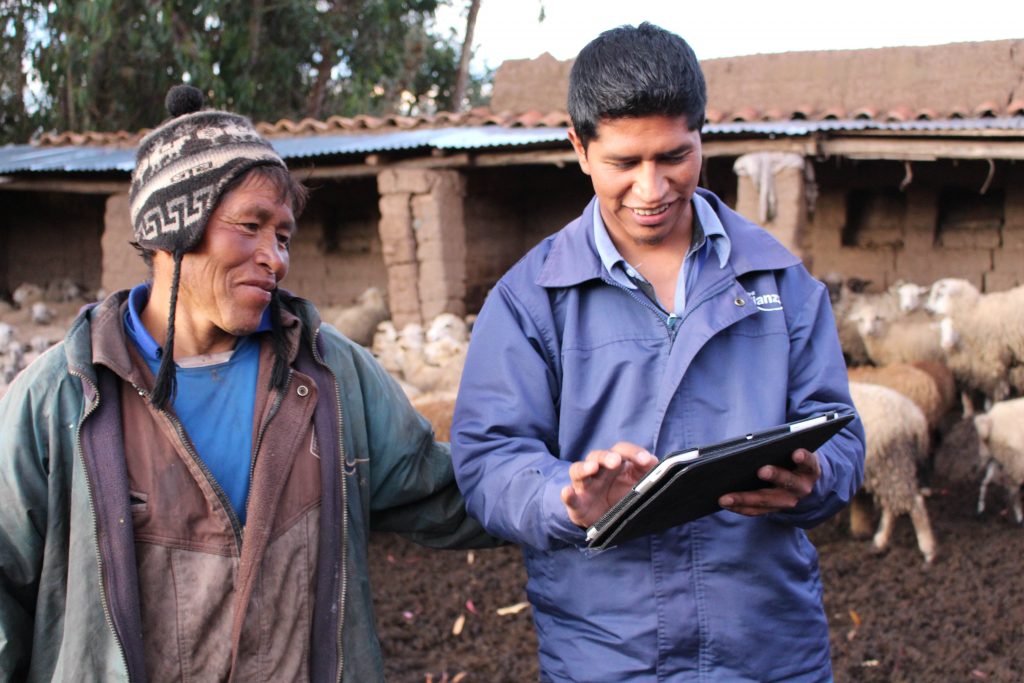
{"type": "Point", "coordinates": [629, 72]}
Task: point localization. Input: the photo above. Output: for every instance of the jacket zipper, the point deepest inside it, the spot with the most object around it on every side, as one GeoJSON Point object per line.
{"type": "Point", "coordinates": [236, 524]}
{"type": "Point", "coordinates": [669, 320]}
{"type": "Point", "coordinates": [92, 511]}
{"type": "Point", "coordinates": [343, 588]}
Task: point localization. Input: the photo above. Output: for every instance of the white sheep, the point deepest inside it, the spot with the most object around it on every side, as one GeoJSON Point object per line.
{"type": "Point", "coordinates": [982, 336]}
{"type": "Point", "coordinates": [1001, 447]}
{"type": "Point", "coordinates": [882, 327]}
{"type": "Point", "coordinates": [423, 361]}
{"type": "Point", "coordinates": [359, 321]}
{"type": "Point", "coordinates": [897, 435]}
{"type": "Point", "coordinates": [42, 314]}
{"type": "Point", "coordinates": [892, 326]}
{"type": "Point", "coordinates": [26, 294]}
{"type": "Point", "coordinates": [385, 348]}
{"type": "Point", "coordinates": [447, 326]}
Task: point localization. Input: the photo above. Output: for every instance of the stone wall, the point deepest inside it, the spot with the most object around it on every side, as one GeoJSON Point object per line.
{"type": "Point", "coordinates": [49, 237]}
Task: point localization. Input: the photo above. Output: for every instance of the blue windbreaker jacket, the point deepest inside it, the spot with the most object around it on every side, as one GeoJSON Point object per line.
{"type": "Point", "coordinates": [563, 361]}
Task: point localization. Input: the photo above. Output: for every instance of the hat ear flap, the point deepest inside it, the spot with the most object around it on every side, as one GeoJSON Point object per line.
{"type": "Point", "coordinates": [164, 386]}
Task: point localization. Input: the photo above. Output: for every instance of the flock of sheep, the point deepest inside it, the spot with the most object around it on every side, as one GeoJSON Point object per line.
{"type": "Point", "coordinates": [913, 354]}
{"type": "Point", "coordinates": [35, 319]}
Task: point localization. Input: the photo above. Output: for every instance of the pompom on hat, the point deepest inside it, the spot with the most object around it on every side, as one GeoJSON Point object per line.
{"type": "Point", "coordinates": [182, 167]}
{"type": "Point", "coordinates": [181, 170]}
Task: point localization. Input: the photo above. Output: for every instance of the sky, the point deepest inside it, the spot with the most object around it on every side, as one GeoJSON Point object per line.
{"type": "Point", "coordinates": [509, 29]}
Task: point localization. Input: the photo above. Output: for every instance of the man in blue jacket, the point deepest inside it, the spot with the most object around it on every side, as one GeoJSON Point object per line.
{"type": "Point", "coordinates": [657, 320]}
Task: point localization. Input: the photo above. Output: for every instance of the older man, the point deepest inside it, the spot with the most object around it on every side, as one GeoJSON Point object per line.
{"type": "Point", "coordinates": [199, 509]}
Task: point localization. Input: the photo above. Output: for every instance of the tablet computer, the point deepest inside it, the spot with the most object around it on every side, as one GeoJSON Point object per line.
{"type": "Point", "coordinates": [687, 484]}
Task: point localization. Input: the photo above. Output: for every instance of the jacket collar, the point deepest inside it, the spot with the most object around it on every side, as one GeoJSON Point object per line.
{"type": "Point", "coordinates": [98, 336]}
{"type": "Point", "coordinates": [573, 258]}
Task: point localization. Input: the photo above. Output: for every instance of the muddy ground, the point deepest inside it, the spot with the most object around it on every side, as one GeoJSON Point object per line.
{"type": "Point", "coordinates": [892, 619]}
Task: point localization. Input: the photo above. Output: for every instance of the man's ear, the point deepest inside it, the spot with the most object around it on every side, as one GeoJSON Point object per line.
{"type": "Point", "coordinates": [581, 151]}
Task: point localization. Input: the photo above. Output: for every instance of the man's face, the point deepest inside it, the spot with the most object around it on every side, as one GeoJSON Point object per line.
{"type": "Point", "coordinates": [227, 281]}
{"type": "Point", "coordinates": [644, 171]}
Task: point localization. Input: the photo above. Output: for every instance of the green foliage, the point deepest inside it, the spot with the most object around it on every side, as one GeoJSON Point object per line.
{"type": "Point", "coordinates": [106, 64]}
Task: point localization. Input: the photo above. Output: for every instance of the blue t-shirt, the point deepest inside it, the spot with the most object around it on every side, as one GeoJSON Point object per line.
{"type": "Point", "coordinates": [214, 400]}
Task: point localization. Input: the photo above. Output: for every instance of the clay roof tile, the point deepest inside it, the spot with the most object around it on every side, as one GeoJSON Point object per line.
{"type": "Point", "coordinates": [744, 115]}
{"type": "Point", "coordinates": [987, 110]}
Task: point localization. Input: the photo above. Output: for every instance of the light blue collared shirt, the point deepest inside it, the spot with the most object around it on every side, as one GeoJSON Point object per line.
{"type": "Point", "coordinates": [707, 230]}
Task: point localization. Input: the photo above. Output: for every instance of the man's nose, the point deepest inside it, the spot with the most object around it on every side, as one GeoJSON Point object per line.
{"type": "Point", "coordinates": [272, 254]}
{"type": "Point", "coordinates": [649, 183]}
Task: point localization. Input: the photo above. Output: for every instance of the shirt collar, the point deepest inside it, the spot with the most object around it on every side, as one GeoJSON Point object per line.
{"type": "Point", "coordinates": [707, 228]}
{"type": "Point", "coordinates": [137, 300]}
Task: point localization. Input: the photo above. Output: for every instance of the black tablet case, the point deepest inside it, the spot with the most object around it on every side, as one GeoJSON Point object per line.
{"type": "Point", "coordinates": [691, 489]}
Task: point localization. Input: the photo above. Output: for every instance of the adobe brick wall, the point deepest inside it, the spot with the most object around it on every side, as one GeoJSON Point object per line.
{"type": "Point", "coordinates": [423, 237]}
{"type": "Point", "coordinates": [909, 245]}
{"type": "Point", "coordinates": [789, 222]}
{"type": "Point", "coordinates": [511, 209]}
{"type": "Point", "coordinates": [123, 267]}
{"type": "Point", "coordinates": [336, 253]}
{"type": "Point", "coordinates": [539, 84]}
{"type": "Point", "coordinates": [51, 239]}
{"type": "Point", "coordinates": [940, 77]}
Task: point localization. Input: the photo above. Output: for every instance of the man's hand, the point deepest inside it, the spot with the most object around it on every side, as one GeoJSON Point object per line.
{"type": "Point", "coordinates": [789, 487]}
{"type": "Point", "coordinates": [602, 478]}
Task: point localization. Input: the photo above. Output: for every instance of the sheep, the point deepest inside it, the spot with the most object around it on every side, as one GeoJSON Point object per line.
{"type": "Point", "coordinates": [435, 365]}
{"type": "Point", "coordinates": [843, 294]}
{"type": "Point", "coordinates": [893, 328]}
{"type": "Point", "coordinates": [447, 326]}
{"type": "Point", "coordinates": [872, 326]}
{"type": "Point", "coordinates": [437, 408]}
{"type": "Point", "coordinates": [26, 294]}
{"type": "Point", "coordinates": [428, 361]}
{"type": "Point", "coordinates": [63, 290]}
{"type": "Point", "coordinates": [897, 434]}
{"type": "Point", "coordinates": [42, 314]}
{"type": "Point", "coordinates": [1001, 447]}
{"type": "Point", "coordinates": [915, 383]}
{"type": "Point", "coordinates": [982, 336]}
{"type": "Point", "coordinates": [359, 321]}
{"type": "Point", "coordinates": [385, 348]}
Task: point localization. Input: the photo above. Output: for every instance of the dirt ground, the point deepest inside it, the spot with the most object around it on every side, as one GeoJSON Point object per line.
{"type": "Point", "coordinates": [892, 619]}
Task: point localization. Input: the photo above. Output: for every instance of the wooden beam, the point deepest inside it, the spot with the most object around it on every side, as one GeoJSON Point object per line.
{"type": "Point", "coordinates": [70, 186]}
{"type": "Point", "coordinates": [920, 150]}
{"type": "Point", "coordinates": [559, 158]}
{"type": "Point", "coordinates": [804, 146]}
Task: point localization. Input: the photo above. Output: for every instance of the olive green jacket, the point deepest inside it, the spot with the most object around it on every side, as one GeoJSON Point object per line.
{"type": "Point", "coordinates": [68, 580]}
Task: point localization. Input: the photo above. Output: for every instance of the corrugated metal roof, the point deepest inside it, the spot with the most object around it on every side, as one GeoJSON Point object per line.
{"type": "Point", "coordinates": [801, 127]}
{"type": "Point", "coordinates": [31, 158]}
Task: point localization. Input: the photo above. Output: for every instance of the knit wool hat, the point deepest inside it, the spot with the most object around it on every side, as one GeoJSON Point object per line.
{"type": "Point", "coordinates": [182, 166]}
{"type": "Point", "coordinates": [181, 170]}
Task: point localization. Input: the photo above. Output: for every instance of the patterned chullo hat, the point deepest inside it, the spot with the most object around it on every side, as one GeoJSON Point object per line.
{"type": "Point", "coordinates": [182, 166]}
{"type": "Point", "coordinates": [181, 170]}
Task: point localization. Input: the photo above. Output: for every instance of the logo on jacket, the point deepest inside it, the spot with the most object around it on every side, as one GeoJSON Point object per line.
{"type": "Point", "coordinates": [766, 302]}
